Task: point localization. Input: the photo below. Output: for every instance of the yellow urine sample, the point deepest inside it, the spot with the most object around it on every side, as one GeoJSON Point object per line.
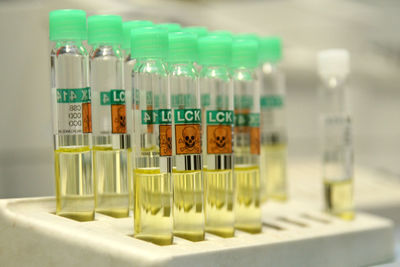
{"type": "Point", "coordinates": [247, 204]}
{"type": "Point", "coordinates": [130, 180]}
{"type": "Point", "coordinates": [218, 197]}
{"type": "Point", "coordinates": [74, 187]}
{"type": "Point", "coordinates": [339, 198]}
{"type": "Point", "coordinates": [273, 172]}
{"type": "Point", "coordinates": [153, 201]}
{"type": "Point", "coordinates": [188, 205]}
{"type": "Point", "coordinates": [110, 172]}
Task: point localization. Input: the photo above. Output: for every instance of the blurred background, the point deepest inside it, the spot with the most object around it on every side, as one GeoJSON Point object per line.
{"type": "Point", "coordinates": [366, 28]}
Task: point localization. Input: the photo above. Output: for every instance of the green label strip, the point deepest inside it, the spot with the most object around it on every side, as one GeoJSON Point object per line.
{"type": "Point", "coordinates": [180, 100]}
{"type": "Point", "coordinates": [222, 101]}
{"type": "Point", "coordinates": [149, 100]}
{"type": "Point", "coordinates": [113, 97]}
{"type": "Point", "coordinates": [164, 116]}
{"type": "Point", "coordinates": [243, 102]}
{"type": "Point", "coordinates": [219, 117]}
{"type": "Point", "coordinates": [271, 101]}
{"type": "Point", "coordinates": [161, 116]}
{"type": "Point", "coordinates": [149, 97]}
{"type": "Point", "coordinates": [205, 100]}
{"type": "Point", "coordinates": [79, 95]}
{"type": "Point", "coordinates": [249, 119]}
{"type": "Point", "coordinates": [187, 116]}
{"type": "Point", "coordinates": [136, 96]}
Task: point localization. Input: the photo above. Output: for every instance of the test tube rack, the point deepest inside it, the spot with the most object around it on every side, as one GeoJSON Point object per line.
{"type": "Point", "coordinates": [293, 235]}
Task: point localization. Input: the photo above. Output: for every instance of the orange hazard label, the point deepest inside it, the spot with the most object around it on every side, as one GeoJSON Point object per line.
{"type": "Point", "coordinates": [242, 129]}
{"type": "Point", "coordinates": [86, 117]}
{"type": "Point", "coordinates": [219, 139]}
{"type": "Point", "coordinates": [165, 140]}
{"type": "Point", "coordinates": [150, 127]}
{"type": "Point", "coordinates": [255, 140]}
{"type": "Point", "coordinates": [188, 139]}
{"type": "Point", "coordinates": [118, 116]}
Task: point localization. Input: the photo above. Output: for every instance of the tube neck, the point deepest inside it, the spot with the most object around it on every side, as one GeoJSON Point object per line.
{"type": "Point", "coordinates": [101, 50]}
{"type": "Point", "coordinates": [215, 71]}
{"type": "Point", "coordinates": [69, 42]}
{"type": "Point", "coordinates": [333, 92]}
{"type": "Point", "coordinates": [333, 81]}
{"type": "Point", "coordinates": [269, 67]}
{"type": "Point", "coordinates": [243, 74]}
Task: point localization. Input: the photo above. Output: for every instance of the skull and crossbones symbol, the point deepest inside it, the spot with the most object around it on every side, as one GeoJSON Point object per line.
{"type": "Point", "coordinates": [121, 119]}
{"type": "Point", "coordinates": [189, 138]}
{"type": "Point", "coordinates": [169, 138]}
{"type": "Point", "coordinates": [220, 135]}
{"type": "Point", "coordinates": [165, 141]}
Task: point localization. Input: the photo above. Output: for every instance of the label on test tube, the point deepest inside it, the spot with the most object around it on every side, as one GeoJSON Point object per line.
{"type": "Point", "coordinates": [249, 123]}
{"type": "Point", "coordinates": [271, 101]}
{"type": "Point", "coordinates": [187, 131]}
{"type": "Point", "coordinates": [165, 120]}
{"type": "Point", "coordinates": [219, 131]}
{"type": "Point", "coordinates": [182, 99]}
{"type": "Point", "coordinates": [205, 100]}
{"type": "Point", "coordinates": [163, 117]}
{"type": "Point", "coordinates": [116, 100]}
{"type": "Point", "coordinates": [74, 111]}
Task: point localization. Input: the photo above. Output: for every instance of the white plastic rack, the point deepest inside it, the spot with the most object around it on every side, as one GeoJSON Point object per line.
{"type": "Point", "coordinates": [293, 235]}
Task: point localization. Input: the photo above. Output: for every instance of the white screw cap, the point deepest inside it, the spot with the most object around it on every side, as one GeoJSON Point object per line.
{"type": "Point", "coordinates": [333, 62]}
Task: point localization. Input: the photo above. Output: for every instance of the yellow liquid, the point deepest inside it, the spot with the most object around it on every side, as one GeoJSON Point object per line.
{"type": "Point", "coordinates": [218, 197]}
{"type": "Point", "coordinates": [247, 205]}
{"type": "Point", "coordinates": [74, 187]}
{"type": "Point", "coordinates": [130, 180]}
{"type": "Point", "coordinates": [188, 205]}
{"type": "Point", "coordinates": [339, 198]}
{"type": "Point", "coordinates": [111, 181]}
{"type": "Point", "coordinates": [273, 172]}
{"type": "Point", "coordinates": [153, 202]}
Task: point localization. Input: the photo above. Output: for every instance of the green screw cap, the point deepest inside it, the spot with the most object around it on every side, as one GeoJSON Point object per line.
{"type": "Point", "coordinates": [249, 36]}
{"type": "Point", "coordinates": [182, 47]}
{"type": "Point", "coordinates": [244, 52]}
{"type": "Point", "coordinates": [171, 27]}
{"type": "Point", "coordinates": [149, 42]}
{"type": "Point", "coordinates": [222, 32]}
{"type": "Point", "coordinates": [67, 24]}
{"type": "Point", "coordinates": [254, 37]}
{"type": "Point", "coordinates": [215, 50]}
{"type": "Point", "coordinates": [128, 26]}
{"type": "Point", "coordinates": [105, 29]}
{"type": "Point", "coordinates": [271, 49]}
{"type": "Point", "coordinates": [199, 31]}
